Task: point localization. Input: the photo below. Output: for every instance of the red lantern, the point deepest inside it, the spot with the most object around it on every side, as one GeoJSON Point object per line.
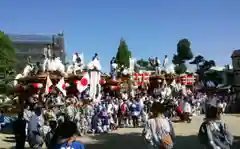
{"type": "Point", "coordinates": [135, 76]}
{"type": "Point", "coordinates": [102, 81]}
{"type": "Point", "coordinates": [145, 76]}
{"type": "Point", "coordinates": [140, 76]}
{"type": "Point", "coordinates": [37, 85]}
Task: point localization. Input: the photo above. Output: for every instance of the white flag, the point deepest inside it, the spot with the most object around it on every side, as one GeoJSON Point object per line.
{"type": "Point", "coordinates": [83, 83]}
{"type": "Point", "coordinates": [61, 86]}
{"type": "Point", "coordinates": [48, 84]}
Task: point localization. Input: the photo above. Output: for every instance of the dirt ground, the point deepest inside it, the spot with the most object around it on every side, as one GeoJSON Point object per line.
{"type": "Point", "coordinates": [130, 138]}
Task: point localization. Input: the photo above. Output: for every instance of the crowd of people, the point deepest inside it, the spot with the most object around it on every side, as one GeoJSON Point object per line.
{"type": "Point", "coordinates": [40, 124]}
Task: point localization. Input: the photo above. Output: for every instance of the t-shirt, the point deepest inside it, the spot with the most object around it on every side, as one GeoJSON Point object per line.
{"type": "Point", "coordinates": [74, 145]}
{"type": "Point", "coordinates": [35, 123]}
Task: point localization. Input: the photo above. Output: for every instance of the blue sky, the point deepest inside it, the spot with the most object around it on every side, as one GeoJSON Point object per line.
{"type": "Point", "coordinates": [150, 27]}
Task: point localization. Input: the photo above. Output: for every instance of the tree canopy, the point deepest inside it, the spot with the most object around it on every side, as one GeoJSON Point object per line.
{"type": "Point", "coordinates": [180, 69]}
{"type": "Point", "coordinates": [198, 60]}
{"type": "Point", "coordinates": [7, 52]}
{"type": "Point", "coordinates": [202, 65]}
{"type": "Point", "coordinates": [7, 56]}
{"type": "Point", "coordinates": [206, 65]}
{"type": "Point", "coordinates": [184, 53]}
{"type": "Point", "coordinates": [143, 63]}
{"type": "Point", "coordinates": [184, 49]}
{"type": "Point", "coordinates": [123, 54]}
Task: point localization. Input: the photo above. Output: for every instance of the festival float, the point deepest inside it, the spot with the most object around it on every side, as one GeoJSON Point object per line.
{"type": "Point", "coordinates": [77, 78]}
{"type": "Point", "coordinates": [52, 78]}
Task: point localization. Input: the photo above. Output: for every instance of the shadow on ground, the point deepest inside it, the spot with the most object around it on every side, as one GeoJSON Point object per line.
{"type": "Point", "coordinates": [135, 141]}
{"type": "Point", "coordinates": [9, 139]}
{"type": "Point", "coordinates": [236, 144]}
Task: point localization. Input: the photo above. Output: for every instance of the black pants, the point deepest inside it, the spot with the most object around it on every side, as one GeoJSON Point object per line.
{"type": "Point", "coordinates": [20, 142]}
{"type": "Point", "coordinates": [135, 121]}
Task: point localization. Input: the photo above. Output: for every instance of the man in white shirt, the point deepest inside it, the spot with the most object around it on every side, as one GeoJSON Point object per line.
{"type": "Point", "coordinates": [165, 62]}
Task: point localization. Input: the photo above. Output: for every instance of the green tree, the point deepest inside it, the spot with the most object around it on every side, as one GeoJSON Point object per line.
{"type": "Point", "coordinates": [7, 55]}
{"type": "Point", "coordinates": [123, 54]}
{"type": "Point", "coordinates": [207, 65]}
{"type": "Point", "coordinates": [184, 53]}
{"type": "Point", "coordinates": [143, 63]}
{"type": "Point", "coordinates": [203, 67]}
{"type": "Point", "coordinates": [177, 60]}
{"type": "Point", "coordinates": [184, 49]}
{"type": "Point", "coordinates": [180, 69]}
{"type": "Point", "coordinates": [198, 60]}
{"type": "Point", "coordinates": [7, 52]}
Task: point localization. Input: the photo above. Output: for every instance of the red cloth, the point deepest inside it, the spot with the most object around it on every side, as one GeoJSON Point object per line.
{"type": "Point", "coordinates": [179, 109]}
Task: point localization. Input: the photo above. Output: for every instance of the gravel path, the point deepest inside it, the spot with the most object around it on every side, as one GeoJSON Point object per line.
{"type": "Point", "coordinates": [130, 138]}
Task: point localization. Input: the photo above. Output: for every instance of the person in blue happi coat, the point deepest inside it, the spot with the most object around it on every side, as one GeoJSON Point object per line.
{"type": "Point", "coordinates": [67, 139]}
{"type": "Point", "coordinates": [136, 111]}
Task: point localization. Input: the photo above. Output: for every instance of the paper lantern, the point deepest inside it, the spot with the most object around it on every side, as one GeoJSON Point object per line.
{"type": "Point", "coordinates": [139, 75]}
{"type": "Point", "coordinates": [187, 80]}
{"type": "Point", "coordinates": [102, 81]}
{"type": "Point", "coordinates": [145, 76]}
{"type": "Point", "coordinates": [37, 85]}
{"type": "Point", "coordinates": [135, 76]}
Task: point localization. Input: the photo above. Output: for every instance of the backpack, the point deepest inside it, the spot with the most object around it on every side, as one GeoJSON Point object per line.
{"type": "Point", "coordinates": [220, 136]}
{"type": "Point", "coordinates": [162, 139]}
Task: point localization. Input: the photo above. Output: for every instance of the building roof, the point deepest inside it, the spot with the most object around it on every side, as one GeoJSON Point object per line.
{"type": "Point", "coordinates": [18, 38]}
{"type": "Point", "coordinates": [236, 53]}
